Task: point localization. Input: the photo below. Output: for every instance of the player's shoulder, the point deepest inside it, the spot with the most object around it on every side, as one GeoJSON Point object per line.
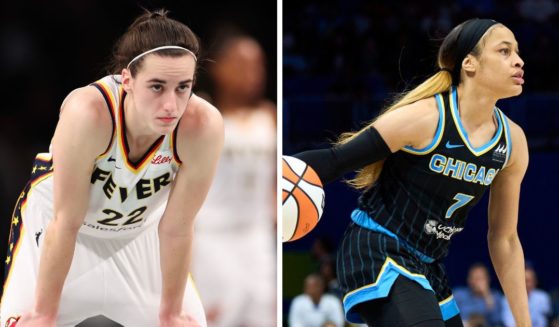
{"type": "Point", "coordinates": [410, 125]}
{"type": "Point", "coordinates": [422, 112]}
{"type": "Point", "coordinates": [516, 132]}
{"type": "Point", "coordinates": [84, 121]}
{"type": "Point", "coordinates": [519, 156]}
{"type": "Point", "coordinates": [517, 136]}
{"type": "Point", "coordinates": [85, 118]}
{"type": "Point", "coordinates": [87, 105]}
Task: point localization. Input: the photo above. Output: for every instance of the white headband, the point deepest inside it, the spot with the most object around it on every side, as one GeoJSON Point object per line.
{"type": "Point", "coordinates": [161, 48]}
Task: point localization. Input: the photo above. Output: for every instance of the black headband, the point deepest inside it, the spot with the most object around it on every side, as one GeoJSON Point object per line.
{"type": "Point", "coordinates": [466, 41]}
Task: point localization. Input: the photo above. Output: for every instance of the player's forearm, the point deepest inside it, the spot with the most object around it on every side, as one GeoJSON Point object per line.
{"type": "Point", "coordinates": [175, 249]}
{"type": "Point", "coordinates": [508, 260]}
{"type": "Point", "coordinates": [56, 258]}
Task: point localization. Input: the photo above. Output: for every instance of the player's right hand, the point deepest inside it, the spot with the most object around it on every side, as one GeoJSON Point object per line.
{"type": "Point", "coordinates": [31, 319]}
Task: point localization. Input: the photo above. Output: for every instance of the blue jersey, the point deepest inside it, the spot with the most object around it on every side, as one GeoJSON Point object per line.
{"type": "Point", "coordinates": [423, 196]}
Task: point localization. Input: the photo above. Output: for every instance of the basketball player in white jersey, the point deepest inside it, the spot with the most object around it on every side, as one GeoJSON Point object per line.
{"type": "Point", "coordinates": [105, 225]}
{"type": "Point", "coordinates": [234, 261]}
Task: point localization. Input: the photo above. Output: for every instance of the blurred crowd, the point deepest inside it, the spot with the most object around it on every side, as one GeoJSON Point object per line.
{"type": "Point", "coordinates": [358, 44]}
{"type": "Point", "coordinates": [356, 54]}
{"type": "Point", "coordinates": [480, 304]}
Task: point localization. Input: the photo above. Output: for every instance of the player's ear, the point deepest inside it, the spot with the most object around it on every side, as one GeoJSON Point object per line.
{"type": "Point", "coordinates": [126, 77]}
{"type": "Point", "coordinates": [469, 64]}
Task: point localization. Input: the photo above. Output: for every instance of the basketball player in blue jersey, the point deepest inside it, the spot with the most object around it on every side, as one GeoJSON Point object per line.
{"type": "Point", "coordinates": [423, 164]}
{"type": "Point", "coordinates": [105, 225]}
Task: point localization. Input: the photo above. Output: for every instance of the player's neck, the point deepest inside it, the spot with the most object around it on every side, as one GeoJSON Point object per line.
{"type": "Point", "coordinates": [475, 105]}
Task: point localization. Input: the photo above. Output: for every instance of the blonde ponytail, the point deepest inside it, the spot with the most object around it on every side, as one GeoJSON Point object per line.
{"type": "Point", "coordinates": [439, 82]}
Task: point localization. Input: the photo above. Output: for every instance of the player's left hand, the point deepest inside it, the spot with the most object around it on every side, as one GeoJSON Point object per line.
{"type": "Point", "coordinates": [183, 320]}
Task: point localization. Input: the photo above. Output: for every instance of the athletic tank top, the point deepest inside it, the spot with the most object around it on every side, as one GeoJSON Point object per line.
{"type": "Point", "coordinates": [423, 196]}
{"type": "Point", "coordinates": [241, 195]}
{"type": "Point", "coordinates": [126, 197]}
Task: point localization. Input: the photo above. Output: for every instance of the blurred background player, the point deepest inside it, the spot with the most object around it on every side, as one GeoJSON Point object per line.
{"type": "Point", "coordinates": [235, 242]}
{"type": "Point", "coordinates": [315, 308]}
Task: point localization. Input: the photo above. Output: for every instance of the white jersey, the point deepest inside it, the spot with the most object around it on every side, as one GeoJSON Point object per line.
{"type": "Point", "coordinates": [127, 197]}
{"type": "Point", "coordinates": [242, 193]}
{"type": "Point", "coordinates": [115, 270]}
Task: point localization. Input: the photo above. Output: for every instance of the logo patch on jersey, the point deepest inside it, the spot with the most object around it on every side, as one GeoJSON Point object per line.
{"type": "Point", "coordinates": [159, 159]}
{"type": "Point", "coordinates": [452, 146]}
{"type": "Point", "coordinates": [433, 227]}
{"type": "Point", "coordinates": [37, 235]}
{"type": "Point", "coordinates": [500, 153]}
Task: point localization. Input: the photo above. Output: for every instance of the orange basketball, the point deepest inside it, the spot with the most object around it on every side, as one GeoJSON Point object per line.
{"type": "Point", "coordinates": [302, 199]}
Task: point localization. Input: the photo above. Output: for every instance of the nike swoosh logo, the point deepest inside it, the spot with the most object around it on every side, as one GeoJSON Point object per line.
{"type": "Point", "coordinates": [452, 146]}
{"type": "Point", "coordinates": [111, 159]}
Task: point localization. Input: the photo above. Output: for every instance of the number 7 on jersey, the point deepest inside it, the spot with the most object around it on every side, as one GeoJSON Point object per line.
{"type": "Point", "coordinates": [461, 200]}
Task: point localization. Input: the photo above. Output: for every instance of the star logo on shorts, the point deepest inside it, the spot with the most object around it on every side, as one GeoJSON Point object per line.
{"type": "Point", "coordinates": [12, 321]}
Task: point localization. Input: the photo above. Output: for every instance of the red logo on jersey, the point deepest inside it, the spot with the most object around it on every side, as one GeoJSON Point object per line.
{"type": "Point", "coordinates": [161, 160]}
{"type": "Point", "coordinates": [12, 321]}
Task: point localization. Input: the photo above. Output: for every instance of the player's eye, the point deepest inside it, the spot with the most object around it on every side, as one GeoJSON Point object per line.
{"type": "Point", "coordinates": [505, 51]}
{"type": "Point", "coordinates": [156, 87]}
{"type": "Point", "coordinates": [183, 88]}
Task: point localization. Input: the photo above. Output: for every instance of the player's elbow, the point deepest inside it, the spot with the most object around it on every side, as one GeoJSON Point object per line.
{"type": "Point", "coordinates": [497, 237]}
{"type": "Point", "coordinates": [176, 228]}
{"type": "Point", "coordinates": [66, 225]}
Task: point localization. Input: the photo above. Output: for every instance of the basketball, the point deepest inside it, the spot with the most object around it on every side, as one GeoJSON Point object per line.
{"type": "Point", "coordinates": [302, 199]}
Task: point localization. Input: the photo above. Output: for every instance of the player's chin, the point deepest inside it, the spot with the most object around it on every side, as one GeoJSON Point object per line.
{"type": "Point", "coordinates": [515, 90]}
{"type": "Point", "coordinates": [165, 129]}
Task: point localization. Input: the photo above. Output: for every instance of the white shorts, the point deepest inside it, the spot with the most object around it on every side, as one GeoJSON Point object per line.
{"type": "Point", "coordinates": [117, 278]}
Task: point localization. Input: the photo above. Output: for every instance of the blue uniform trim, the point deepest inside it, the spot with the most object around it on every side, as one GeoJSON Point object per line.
{"type": "Point", "coordinates": [449, 308]}
{"type": "Point", "coordinates": [462, 131]}
{"type": "Point", "coordinates": [438, 133]}
{"type": "Point", "coordinates": [362, 219]}
{"type": "Point", "coordinates": [380, 288]}
{"type": "Point", "coordinates": [507, 136]}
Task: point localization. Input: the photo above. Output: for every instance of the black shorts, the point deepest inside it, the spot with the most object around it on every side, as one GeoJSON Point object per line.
{"type": "Point", "coordinates": [369, 262]}
{"type": "Point", "coordinates": [408, 304]}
